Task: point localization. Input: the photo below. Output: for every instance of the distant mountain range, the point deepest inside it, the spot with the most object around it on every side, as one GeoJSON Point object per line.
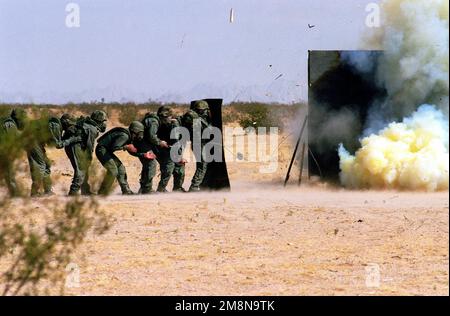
{"type": "Point", "coordinates": [279, 91]}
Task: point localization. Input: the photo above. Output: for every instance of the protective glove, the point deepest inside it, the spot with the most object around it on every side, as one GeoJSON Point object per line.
{"type": "Point", "coordinates": [149, 155]}
{"type": "Point", "coordinates": [163, 144]}
{"type": "Point", "coordinates": [130, 148]}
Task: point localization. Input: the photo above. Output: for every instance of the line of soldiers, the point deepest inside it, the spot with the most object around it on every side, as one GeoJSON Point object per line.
{"type": "Point", "coordinates": [149, 140]}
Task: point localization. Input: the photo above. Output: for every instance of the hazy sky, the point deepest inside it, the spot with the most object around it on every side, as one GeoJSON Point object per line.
{"type": "Point", "coordinates": [139, 49]}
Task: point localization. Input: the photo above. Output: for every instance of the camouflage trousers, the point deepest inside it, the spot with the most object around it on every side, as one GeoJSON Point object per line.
{"type": "Point", "coordinates": [199, 175]}
{"type": "Point", "coordinates": [167, 168]}
{"type": "Point", "coordinates": [81, 161]}
{"type": "Point", "coordinates": [7, 174]}
{"type": "Point", "coordinates": [40, 170]}
{"type": "Point", "coordinates": [114, 170]}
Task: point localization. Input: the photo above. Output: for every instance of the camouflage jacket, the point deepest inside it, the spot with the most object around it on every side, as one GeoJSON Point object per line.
{"type": "Point", "coordinates": [56, 135]}
{"type": "Point", "coordinates": [115, 139]}
{"type": "Point", "coordinates": [89, 132]}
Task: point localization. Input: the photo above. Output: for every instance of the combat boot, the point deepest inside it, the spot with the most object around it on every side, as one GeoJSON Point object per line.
{"type": "Point", "coordinates": [194, 189]}
{"type": "Point", "coordinates": [126, 190]}
{"type": "Point", "coordinates": [145, 191]}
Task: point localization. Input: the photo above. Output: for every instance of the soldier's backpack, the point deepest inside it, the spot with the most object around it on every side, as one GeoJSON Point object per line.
{"type": "Point", "coordinates": [148, 116]}
{"type": "Point", "coordinates": [112, 131]}
{"type": "Point", "coordinates": [55, 128]}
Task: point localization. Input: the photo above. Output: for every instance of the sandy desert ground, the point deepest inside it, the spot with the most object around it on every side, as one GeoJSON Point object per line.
{"type": "Point", "coordinates": [262, 239]}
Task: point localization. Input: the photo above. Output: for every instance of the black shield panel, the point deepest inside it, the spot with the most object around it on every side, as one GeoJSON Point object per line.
{"type": "Point", "coordinates": [216, 177]}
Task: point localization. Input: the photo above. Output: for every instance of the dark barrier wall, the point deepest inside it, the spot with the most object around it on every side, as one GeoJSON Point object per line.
{"type": "Point", "coordinates": [339, 98]}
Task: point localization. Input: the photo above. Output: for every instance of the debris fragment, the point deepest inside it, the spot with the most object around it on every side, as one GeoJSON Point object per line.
{"type": "Point", "coordinates": [231, 15]}
{"type": "Point", "coordinates": [182, 40]}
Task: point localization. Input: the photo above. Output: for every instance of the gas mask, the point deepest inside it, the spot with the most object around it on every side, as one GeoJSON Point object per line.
{"type": "Point", "coordinates": [205, 114]}
{"type": "Point", "coordinates": [137, 136]}
{"type": "Point", "coordinates": [102, 126]}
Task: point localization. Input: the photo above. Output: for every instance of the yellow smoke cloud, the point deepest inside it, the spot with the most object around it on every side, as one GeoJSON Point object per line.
{"type": "Point", "coordinates": [409, 155]}
{"type": "Point", "coordinates": [412, 154]}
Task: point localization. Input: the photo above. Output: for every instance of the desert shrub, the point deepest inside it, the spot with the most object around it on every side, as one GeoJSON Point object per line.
{"type": "Point", "coordinates": [128, 113]}
{"type": "Point", "coordinates": [38, 253]}
{"type": "Point", "coordinates": [5, 110]}
{"type": "Point", "coordinates": [256, 115]}
{"type": "Point", "coordinates": [36, 244]}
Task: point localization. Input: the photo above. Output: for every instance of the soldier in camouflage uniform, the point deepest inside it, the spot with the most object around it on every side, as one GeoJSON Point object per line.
{"type": "Point", "coordinates": [158, 128]}
{"type": "Point", "coordinates": [81, 154]}
{"type": "Point", "coordinates": [179, 168]}
{"type": "Point", "coordinates": [199, 113]}
{"type": "Point", "coordinates": [42, 132]}
{"type": "Point", "coordinates": [10, 145]}
{"type": "Point", "coordinates": [118, 138]}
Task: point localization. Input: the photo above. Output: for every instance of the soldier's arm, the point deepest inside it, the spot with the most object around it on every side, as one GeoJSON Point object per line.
{"type": "Point", "coordinates": [152, 133]}
{"type": "Point", "coordinates": [67, 142]}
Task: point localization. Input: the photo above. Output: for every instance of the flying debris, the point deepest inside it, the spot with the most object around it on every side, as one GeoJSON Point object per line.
{"type": "Point", "coordinates": [231, 15]}
{"type": "Point", "coordinates": [279, 77]}
{"type": "Point", "coordinates": [182, 40]}
{"type": "Point", "coordinates": [311, 26]}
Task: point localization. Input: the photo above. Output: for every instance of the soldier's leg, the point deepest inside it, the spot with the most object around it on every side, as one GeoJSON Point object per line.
{"type": "Point", "coordinates": [35, 172]}
{"type": "Point", "coordinates": [147, 174]}
{"type": "Point", "coordinates": [178, 177]}
{"type": "Point", "coordinates": [107, 161]}
{"type": "Point", "coordinates": [122, 176]}
{"type": "Point", "coordinates": [166, 166]}
{"type": "Point", "coordinates": [111, 175]}
{"type": "Point", "coordinates": [46, 177]}
{"type": "Point", "coordinates": [199, 175]}
{"type": "Point", "coordinates": [86, 165]}
{"type": "Point", "coordinates": [9, 175]}
{"type": "Point", "coordinates": [77, 176]}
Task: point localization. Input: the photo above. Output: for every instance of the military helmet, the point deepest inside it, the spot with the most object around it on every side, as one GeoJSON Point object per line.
{"type": "Point", "coordinates": [200, 105]}
{"type": "Point", "coordinates": [68, 119]}
{"type": "Point", "coordinates": [164, 111]}
{"type": "Point", "coordinates": [136, 127]}
{"type": "Point", "coordinates": [99, 116]}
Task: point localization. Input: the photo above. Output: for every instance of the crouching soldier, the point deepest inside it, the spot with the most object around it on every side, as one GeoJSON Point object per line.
{"type": "Point", "coordinates": [116, 139]}
{"type": "Point", "coordinates": [200, 115]}
{"type": "Point", "coordinates": [10, 147]}
{"type": "Point", "coordinates": [157, 138]}
{"type": "Point", "coordinates": [81, 154]}
{"type": "Point", "coordinates": [42, 132]}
